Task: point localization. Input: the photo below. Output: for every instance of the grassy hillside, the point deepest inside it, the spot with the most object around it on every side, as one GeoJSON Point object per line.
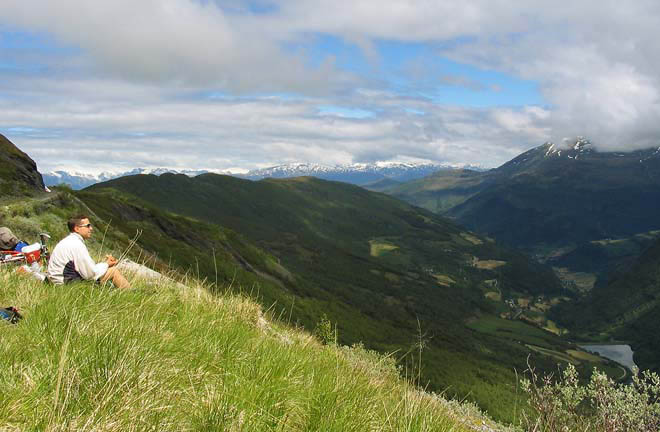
{"type": "Point", "coordinates": [244, 269]}
{"type": "Point", "coordinates": [171, 358]}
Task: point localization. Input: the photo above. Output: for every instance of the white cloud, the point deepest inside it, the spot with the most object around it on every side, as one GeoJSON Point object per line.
{"type": "Point", "coordinates": [172, 42]}
{"type": "Point", "coordinates": [79, 129]}
{"type": "Point", "coordinates": [124, 94]}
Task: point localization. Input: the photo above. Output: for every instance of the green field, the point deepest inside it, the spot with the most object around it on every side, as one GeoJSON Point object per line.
{"type": "Point", "coordinates": [380, 247]}
{"type": "Point", "coordinates": [516, 331]}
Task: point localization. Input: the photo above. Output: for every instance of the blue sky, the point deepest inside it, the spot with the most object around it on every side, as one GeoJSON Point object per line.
{"type": "Point", "coordinates": [236, 85]}
{"type": "Point", "coordinates": [419, 69]}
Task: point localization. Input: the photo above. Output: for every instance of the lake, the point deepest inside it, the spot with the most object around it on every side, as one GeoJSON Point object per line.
{"type": "Point", "coordinates": [621, 354]}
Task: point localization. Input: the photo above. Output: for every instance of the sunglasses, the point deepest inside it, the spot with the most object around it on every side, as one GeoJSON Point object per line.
{"type": "Point", "coordinates": [89, 225]}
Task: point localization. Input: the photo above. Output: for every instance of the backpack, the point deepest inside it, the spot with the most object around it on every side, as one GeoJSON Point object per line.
{"type": "Point", "coordinates": [8, 240]}
{"type": "Point", "coordinates": [10, 314]}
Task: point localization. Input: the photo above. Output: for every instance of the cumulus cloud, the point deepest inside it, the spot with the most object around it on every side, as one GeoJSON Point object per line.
{"type": "Point", "coordinates": [596, 62]}
{"type": "Point", "coordinates": [132, 88]}
{"type": "Point", "coordinates": [173, 42]}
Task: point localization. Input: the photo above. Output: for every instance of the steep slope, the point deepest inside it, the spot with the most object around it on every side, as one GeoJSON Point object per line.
{"type": "Point", "coordinates": [18, 172]}
{"type": "Point", "coordinates": [377, 267]}
{"type": "Point", "coordinates": [127, 226]}
{"type": "Point", "coordinates": [169, 357]}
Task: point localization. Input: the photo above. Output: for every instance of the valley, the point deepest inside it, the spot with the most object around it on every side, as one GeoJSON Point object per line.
{"type": "Point", "coordinates": [456, 308]}
{"type": "Point", "coordinates": [591, 216]}
{"type": "Point", "coordinates": [402, 271]}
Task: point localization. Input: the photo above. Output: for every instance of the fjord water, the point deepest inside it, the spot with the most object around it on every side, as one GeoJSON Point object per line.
{"type": "Point", "coordinates": [621, 354]}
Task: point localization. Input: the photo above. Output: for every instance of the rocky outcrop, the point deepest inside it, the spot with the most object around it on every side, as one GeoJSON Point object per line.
{"type": "Point", "coordinates": [18, 172]}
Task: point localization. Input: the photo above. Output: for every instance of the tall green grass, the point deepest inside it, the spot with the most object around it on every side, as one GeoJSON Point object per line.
{"type": "Point", "coordinates": [165, 357]}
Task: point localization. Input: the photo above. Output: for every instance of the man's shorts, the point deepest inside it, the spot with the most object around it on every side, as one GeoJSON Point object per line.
{"type": "Point", "coordinates": [70, 275]}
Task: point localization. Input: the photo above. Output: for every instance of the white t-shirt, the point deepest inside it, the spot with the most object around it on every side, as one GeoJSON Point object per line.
{"type": "Point", "coordinates": [71, 252]}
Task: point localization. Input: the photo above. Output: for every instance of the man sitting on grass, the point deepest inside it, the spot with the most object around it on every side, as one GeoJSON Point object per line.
{"type": "Point", "coordinates": [70, 260]}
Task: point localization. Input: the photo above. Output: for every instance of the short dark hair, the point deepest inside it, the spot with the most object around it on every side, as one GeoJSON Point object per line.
{"type": "Point", "coordinates": [75, 221]}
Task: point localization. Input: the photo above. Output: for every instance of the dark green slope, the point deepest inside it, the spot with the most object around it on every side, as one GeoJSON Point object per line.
{"type": "Point", "coordinates": [550, 196]}
{"type": "Point", "coordinates": [578, 196]}
{"type": "Point", "coordinates": [313, 223]}
{"type": "Point", "coordinates": [198, 248]}
{"type": "Point", "coordinates": [18, 173]}
{"type": "Point", "coordinates": [376, 266]}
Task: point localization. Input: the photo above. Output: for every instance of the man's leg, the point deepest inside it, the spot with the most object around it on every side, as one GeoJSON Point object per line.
{"type": "Point", "coordinates": [117, 278]}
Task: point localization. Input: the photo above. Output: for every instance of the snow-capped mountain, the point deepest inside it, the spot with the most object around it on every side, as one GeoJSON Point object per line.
{"type": "Point", "coordinates": [359, 174]}
{"type": "Point", "coordinates": [76, 180]}
{"type": "Point", "coordinates": [571, 149]}
{"type": "Point", "coordinates": [81, 180]}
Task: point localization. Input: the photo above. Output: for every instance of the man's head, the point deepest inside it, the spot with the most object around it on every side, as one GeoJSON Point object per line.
{"type": "Point", "coordinates": [80, 224]}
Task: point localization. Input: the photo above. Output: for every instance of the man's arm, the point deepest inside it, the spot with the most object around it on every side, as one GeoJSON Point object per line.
{"type": "Point", "coordinates": [86, 266]}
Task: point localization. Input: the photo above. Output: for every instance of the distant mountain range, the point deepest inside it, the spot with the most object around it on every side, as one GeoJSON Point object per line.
{"type": "Point", "coordinates": [81, 180]}
{"type": "Point", "coordinates": [359, 174]}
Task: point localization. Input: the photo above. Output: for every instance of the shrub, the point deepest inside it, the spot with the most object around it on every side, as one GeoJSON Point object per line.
{"type": "Point", "coordinates": [601, 405]}
{"type": "Point", "coordinates": [325, 331]}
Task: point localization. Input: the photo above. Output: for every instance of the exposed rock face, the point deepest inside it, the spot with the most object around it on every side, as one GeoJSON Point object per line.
{"type": "Point", "coordinates": [18, 172]}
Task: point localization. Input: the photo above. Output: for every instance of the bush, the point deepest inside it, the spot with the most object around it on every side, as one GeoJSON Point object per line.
{"type": "Point", "coordinates": [325, 332]}
{"type": "Point", "coordinates": [601, 405]}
